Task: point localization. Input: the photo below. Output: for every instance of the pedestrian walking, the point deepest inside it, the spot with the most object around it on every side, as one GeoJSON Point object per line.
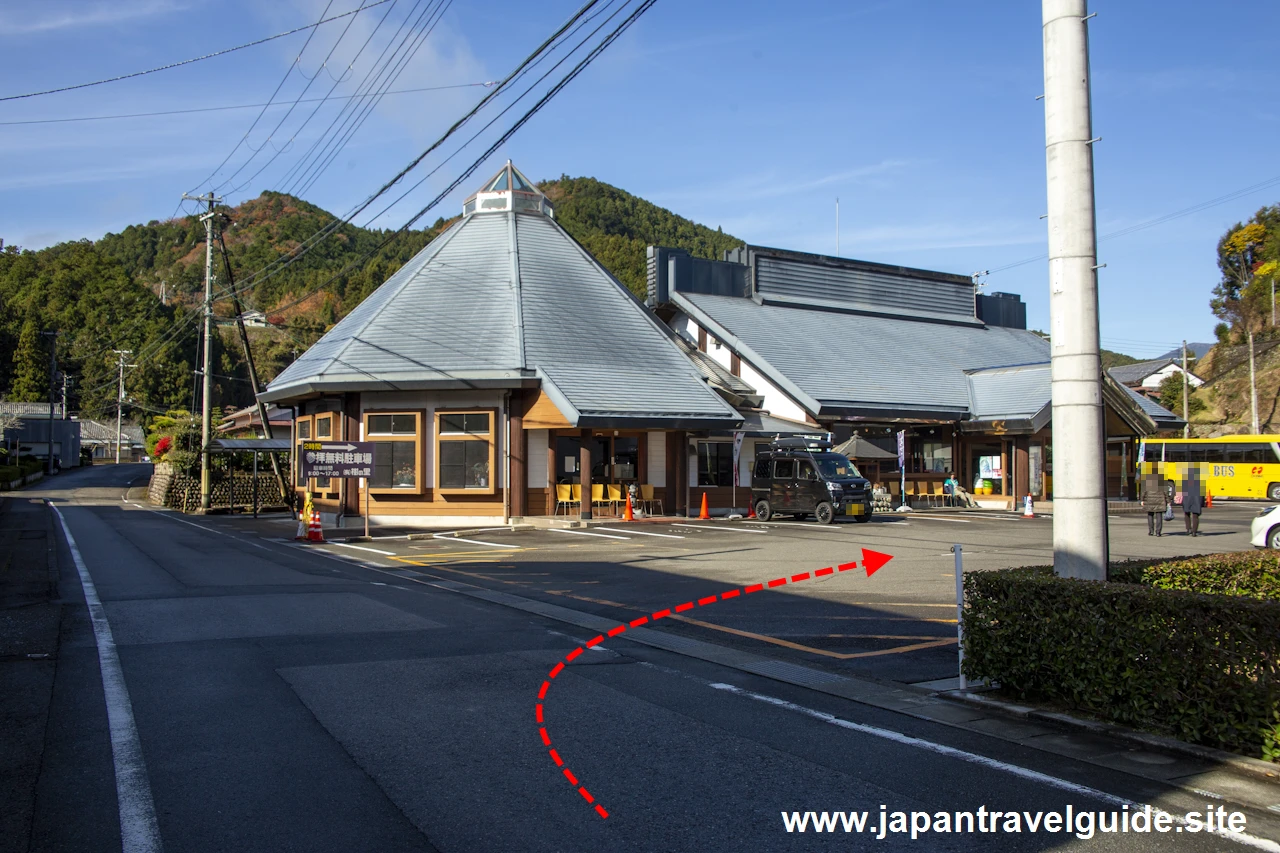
{"type": "Point", "coordinates": [1192, 501]}
{"type": "Point", "coordinates": [1154, 501]}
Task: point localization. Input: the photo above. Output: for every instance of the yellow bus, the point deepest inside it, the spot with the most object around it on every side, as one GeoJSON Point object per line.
{"type": "Point", "coordinates": [1233, 466]}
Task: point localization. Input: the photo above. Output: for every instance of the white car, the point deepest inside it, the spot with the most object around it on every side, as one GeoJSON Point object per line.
{"type": "Point", "coordinates": [1266, 529]}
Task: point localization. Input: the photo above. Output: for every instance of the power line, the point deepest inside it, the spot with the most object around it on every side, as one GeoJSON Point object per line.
{"type": "Point", "coordinates": [1160, 220]}
{"type": "Point", "coordinates": [189, 61]}
{"type": "Point", "coordinates": [239, 106]}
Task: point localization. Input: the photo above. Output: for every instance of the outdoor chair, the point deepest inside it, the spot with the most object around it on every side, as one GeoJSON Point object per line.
{"type": "Point", "coordinates": [564, 498]}
{"type": "Point", "coordinates": [597, 495]}
{"type": "Point", "coordinates": [575, 495]}
{"type": "Point", "coordinates": [613, 494]}
{"type": "Point", "coordinates": [647, 500]}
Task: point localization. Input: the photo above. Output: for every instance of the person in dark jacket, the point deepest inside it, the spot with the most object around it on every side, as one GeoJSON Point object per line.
{"type": "Point", "coordinates": [1154, 502]}
{"type": "Point", "coordinates": [1192, 501]}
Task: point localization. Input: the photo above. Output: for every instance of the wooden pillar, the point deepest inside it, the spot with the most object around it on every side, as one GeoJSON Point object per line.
{"type": "Point", "coordinates": [584, 475]}
{"type": "Point", "coordinates": [675, 487]}
{"type": "Point", "coordinates": [642, 458]}
{"type": "Point", "coordinates": [349, 430]}
{"type": "Point", "coordinates": [551, 472]}
{"type": "Point", "coordinates": [1021, 467]}
{"type": "Point", "coordinates": [519, 448]}
{"type": "Point", "coordinates": [1004, 468]}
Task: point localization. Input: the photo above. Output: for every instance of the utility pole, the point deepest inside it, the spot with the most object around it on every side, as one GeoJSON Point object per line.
{"type": "Point", "coordinates": [1253, 389]}
{"type": "Point", "coordinates": [1186, 429]}
{"type": "Point", "coordinates": [53, 392]}
{"type": "Point", "coordinates": [206, 414]}
{"type": "Point", "coordinates": [121, 357]}
{"type": "Point", "coordinates": [837, 226]}
{"type": "Point", "coordinates": [1080, 546]}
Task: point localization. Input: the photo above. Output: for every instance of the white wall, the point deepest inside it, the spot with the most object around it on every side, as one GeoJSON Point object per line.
{"type": "Point", "coordinates": [1154, 380]}
{"type": "Point", "coordinates": [657, 460]}
{"type": "Point", "coordinates": [536, 460]}
{"type": "Point", "coordinates": [776, 402]}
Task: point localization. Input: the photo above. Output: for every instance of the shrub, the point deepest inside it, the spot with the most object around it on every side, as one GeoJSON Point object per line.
{"type": "Point", "coordinates": [9, 473]}
{"type": "Point", "coordinates": [1202, 668]}
{"type": "Point", "coordinates": [1254, 574]}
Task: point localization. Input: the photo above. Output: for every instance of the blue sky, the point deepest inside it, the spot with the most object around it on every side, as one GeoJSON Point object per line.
{"type": "Point", "coordinates": [920, 116]}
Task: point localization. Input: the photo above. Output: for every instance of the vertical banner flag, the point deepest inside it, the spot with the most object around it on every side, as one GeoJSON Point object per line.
{"type": "Point", "coordinates": [902, 448]}
{"type": "Point", "coordinates": [737, 453]}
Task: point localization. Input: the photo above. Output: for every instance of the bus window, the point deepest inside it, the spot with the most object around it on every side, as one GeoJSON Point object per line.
{"type": "Point", "coordinates": [1235, 453]}
{"type": "Point", "coordinates": [1259, 454]}
{"type": "Point", "coordinates": [1175, 453]}
{"type": "Point", "coordinates": [1215, 453]}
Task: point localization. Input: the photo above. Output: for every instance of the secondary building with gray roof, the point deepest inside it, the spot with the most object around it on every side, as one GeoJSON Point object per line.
{"type": "Point", "coordinates": [851, 345]}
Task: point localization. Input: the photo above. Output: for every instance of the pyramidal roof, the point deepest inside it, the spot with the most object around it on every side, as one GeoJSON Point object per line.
{"type": "Point", "coordinates": [506, 298]}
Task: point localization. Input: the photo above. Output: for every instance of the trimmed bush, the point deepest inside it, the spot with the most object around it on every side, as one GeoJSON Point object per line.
{"type": "Point", "coordinates": [1201, 668]}
{"type": "Point", "coordinates": [9, 473]}
{"type": "Point", "coordinates": [1255, 574]}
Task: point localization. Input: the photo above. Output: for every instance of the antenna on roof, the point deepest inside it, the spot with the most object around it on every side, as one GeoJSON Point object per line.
{"type": "Point", "coordinates": [978, 275]}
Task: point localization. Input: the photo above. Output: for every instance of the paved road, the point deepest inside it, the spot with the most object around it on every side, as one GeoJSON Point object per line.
{"type": "Point", "coordinates": [285, 699]}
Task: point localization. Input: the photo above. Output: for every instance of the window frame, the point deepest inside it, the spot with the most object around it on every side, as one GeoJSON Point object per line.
{"type": "Point", "coordinates": [491, 438]}
{"type": "Point", "coordinates": [299, 482]}
{"type": "Point", "coordinates": [419, 440]}
{"type": "Point", "coordinates": [718, 455]}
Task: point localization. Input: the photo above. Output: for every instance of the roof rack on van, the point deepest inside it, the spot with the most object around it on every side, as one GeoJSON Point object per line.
{"type": "Point", "coordinates": [801, 443]}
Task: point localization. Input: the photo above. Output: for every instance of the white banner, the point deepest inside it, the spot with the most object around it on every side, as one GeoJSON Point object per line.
{"type": "Point", "coordinates": [737, 454]}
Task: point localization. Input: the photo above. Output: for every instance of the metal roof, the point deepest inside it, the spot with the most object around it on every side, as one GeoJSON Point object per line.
{"type": "Point", "coordinates": [264, 445]}
{"type": "Point", "coordinates": [508, 299]}
{"type": "Point", "coordinates": [1138, 371]}
{"type": "Point", "coordinates": [838, 363]}
{"type": "Point", "coordinates": [1016, 397]}
{"type": "Point", "coordinates": [1164, 419]}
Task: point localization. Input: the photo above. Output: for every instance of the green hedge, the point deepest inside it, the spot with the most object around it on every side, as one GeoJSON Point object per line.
{"type": "Point", "coordinates": [9, 473]}
{"type": "Point", "coordinates": [1254, 574]}
{"type": "Point", "coordinates": [1201, 668]}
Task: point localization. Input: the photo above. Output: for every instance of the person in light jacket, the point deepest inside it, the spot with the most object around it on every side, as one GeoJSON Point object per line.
{"type": "Point", "coordinates": [1154, 501]}
{"type": "Point", "coordinates": [1192, 501]}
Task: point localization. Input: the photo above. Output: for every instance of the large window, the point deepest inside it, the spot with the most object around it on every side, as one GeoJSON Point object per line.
{"type": "Point", "coordinates": [397, 443]}
{"type": "Point", "coordinates": [932, 457]}
{"type": "Point", "coordinates": [465, 451]}
{"type": "Point", "coordinates": [324, 429]}
{"type": "Point", "coordinates": [304, 434]}
{"type": "Point", "coordinates": [715, 463]}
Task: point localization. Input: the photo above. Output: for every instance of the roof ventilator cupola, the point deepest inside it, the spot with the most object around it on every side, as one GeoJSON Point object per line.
{"type": "Point", "coordinates": [508, 190]}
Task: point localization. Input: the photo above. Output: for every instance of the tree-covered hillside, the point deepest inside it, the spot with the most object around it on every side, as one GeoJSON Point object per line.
{"type": "Point", "coordinates": [616, 226]}
{"type": "Point", "coordinates": [105, 295]}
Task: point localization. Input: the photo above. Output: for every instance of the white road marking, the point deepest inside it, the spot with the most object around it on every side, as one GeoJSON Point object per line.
{"type": "Point", "coordinates": [940, 518]}
{"type": "Point", "coordinates": [584, 533]}
{"type": "Point", "coordinates": [449, 538]}
{"type": "Point", "coordinates": [139, 831]}
{"type": "Point", "coordinates": [361, 548]}
{"type": "Point", "coordinates": [721, 529]}
{"type": "Point", "coordinates": [642, 533]}
{"type": "Point", "coordinates": [982, 760]}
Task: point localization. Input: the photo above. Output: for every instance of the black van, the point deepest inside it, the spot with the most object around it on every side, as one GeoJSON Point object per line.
{"type": "Point", "coordinates": [802, 477]}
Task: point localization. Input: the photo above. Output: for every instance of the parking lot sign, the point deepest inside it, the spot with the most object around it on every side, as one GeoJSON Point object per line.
{"type": "Point", "coordinates": [340, 459]}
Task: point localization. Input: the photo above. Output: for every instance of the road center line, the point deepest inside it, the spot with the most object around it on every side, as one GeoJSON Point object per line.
{"type": "Point", "coordinates": [642, 533]}
{"type": "Point", "coordinates": [139, 831]}
{"type": "Point", "coordinates": [361, 548]}
{"type": "Point", "coordinates": [584, 533]}
{"type": "Point", "coordinates": [981, 760]}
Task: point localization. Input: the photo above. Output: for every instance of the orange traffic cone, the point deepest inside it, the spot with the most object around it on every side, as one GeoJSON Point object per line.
{"type": "Point", "coordinates": [705, 513]}
{"type": "Point", "coordinates": [1208, 499]}
{"type": "Point", "coordinates": [751, 509]}
{"type": "Point", "coordinates": [627, 515]}
{"type": "Point", "coordinates": [315, 533]}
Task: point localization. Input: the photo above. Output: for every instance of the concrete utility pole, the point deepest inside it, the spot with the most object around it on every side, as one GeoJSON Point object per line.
{"type": "Point", "coordinates": [53, 392]}
{"type": "Point", "coordinates": [1253, 389]}
{"type": "Point", "coordinates": [66, 388]}
{"type": "Point", "coordinates": [1080, 545]}
{"type": "Point", "coordinates": [1186, 430]}
{"type": "Point", "coordinates": [120, 363]}
{"type": "Point", "coordinates": [206, 414]}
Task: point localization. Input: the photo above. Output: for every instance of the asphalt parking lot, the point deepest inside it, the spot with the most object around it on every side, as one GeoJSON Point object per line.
{"type": "Point", "coordinates": [899, 624]}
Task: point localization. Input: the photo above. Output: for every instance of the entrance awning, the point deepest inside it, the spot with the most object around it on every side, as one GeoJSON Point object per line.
{"type": "Point", "coordinates": [262, 445]}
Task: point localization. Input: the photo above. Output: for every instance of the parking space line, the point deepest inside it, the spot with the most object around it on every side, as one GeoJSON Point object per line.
{"type": "Point", "coordinates": [585, 533]}
{"type": "Point", "coordinates": [642, 533]}
{"type": "Point", "coordinates": [472, 541]}
{"type": "Point", "coordinates": [764, 638]}
{"type": "Point", "coordinates": [721, 529]}
{"type": "Point", "coordinates": [940, 518]}
{"type": "Point", "coordinates": [360, 548]}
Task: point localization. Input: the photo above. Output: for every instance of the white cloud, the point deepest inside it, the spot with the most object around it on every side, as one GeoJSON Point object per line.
{"type": "Point", "coordinates": [40, 18]}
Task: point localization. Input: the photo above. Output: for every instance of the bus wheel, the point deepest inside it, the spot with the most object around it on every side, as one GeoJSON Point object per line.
{"type": "Point", "coordinates": [1273, 491]}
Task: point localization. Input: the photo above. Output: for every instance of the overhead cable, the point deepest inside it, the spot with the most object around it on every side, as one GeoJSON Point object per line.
{"type": "Point", "coordinates": [188, 61]}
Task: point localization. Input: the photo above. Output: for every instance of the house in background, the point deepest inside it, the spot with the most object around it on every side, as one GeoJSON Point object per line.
{"type": "Point", "coordinates": [31, 436]}
{"type": "Point", "coordinates": [100, 437]}
{"type": "Point", "coordinates": [849, 345]}
{"type": "Point", "coordinates": [247, 423]}
{"type": "Point", "coordinates": [1146, 376]}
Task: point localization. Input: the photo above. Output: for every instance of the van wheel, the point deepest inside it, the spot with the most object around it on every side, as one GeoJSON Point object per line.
{"type": "Point", "coordinates": [764, 512]}
{"type": "Point", "coordinates": [1273, 491]}
{"type": "Point", "coordinates": [823, 513]}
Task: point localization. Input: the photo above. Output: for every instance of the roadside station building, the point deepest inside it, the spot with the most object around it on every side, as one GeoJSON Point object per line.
{"type": "Point", "coordinates": [499, 362]}
{"type": "Point", "coordinates": [849, 346]}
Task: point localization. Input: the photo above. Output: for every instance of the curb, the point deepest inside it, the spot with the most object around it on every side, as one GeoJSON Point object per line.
{"type": "Point", "coordinates": [1254, 766]}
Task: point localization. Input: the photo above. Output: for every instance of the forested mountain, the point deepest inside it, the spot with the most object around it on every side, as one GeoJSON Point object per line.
{"type": "Point", "coordinates": [106, 295]}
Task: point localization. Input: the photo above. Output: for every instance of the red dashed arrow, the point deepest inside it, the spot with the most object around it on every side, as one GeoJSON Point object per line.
{"type": "Point", "coordinates": [872, 562]}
